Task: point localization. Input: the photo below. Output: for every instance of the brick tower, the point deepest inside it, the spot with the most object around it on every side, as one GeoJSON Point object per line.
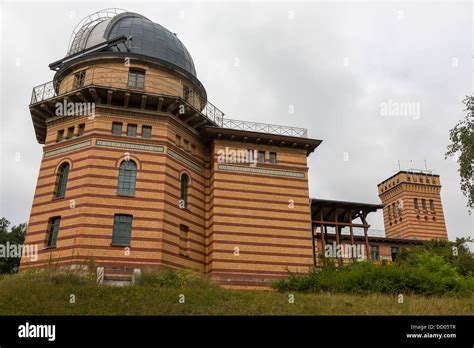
{"type": "Point", "coordinates": [412, 206]}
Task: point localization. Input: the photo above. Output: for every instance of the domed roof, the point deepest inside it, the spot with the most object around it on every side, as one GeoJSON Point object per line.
{"type": "Point", "coordinates": [147, 38]}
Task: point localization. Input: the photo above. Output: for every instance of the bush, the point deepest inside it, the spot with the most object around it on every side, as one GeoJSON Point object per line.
{"type": "Point", "coordinates": [425, 274]}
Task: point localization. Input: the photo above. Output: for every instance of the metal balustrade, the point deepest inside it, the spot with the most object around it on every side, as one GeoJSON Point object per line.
{"type": "Point", "coordinates": [165, 85]}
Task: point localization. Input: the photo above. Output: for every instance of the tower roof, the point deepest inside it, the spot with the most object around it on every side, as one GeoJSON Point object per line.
{"type": "Point", "coordinates": [146, 38]}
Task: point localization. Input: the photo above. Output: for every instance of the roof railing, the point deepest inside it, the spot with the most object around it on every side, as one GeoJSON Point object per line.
{"type": "Point", "coordinates": [157, 84]}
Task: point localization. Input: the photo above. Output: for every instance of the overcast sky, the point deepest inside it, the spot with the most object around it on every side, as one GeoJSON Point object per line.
{"type": "Point", "coordinates": [335, 65]}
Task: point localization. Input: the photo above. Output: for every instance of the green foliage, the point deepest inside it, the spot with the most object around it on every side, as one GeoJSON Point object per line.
{"type": "Point", "coordinates": [432, 269]}
{"type": "Point", "coordinates": [462, 145]}
{"type": "Point", "coordinates": [14, 236]}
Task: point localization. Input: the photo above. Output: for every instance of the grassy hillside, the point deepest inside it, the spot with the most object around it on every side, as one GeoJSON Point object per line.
{"type": "Point", "coordinates": [48, 293]}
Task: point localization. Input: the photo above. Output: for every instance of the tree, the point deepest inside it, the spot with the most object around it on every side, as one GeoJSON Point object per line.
{"type": "Point", "coordinates": [16, 236]}
{"type": "Point", "coordinates": [462, 145]}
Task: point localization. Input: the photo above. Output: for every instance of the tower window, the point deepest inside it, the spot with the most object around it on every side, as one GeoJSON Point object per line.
{"type": "Point", "coordinates": [70, 132]}
{"type": "Point", "coordinates": [60, 136]}
{"type": "Point", "coordinates": [53, 231]}
{"type": "Point", "coordinates": [415, 203]}
{"type": "Point", "coordinates": [146, 132]}
{"type": "Point", "coordinates": [132, 130]}
{"type": "Point", "coordinates": [394, 253]}
{"type": "Point", "coordinates": [183, 240]}
{"type": "Point", "coordinates": [82, 127]}
{"type": "Point", "coordinates": [273, 157]}
{"type": "Point", "coordinates": [432, 205]}
{"type": "Point", "coordinates": [127, 178]}
{"type": "Point", "coordinates": [186, 145]}
{"type": "Point", "coordinates": [178, 140]}
{"type": "Point", "coordinates": [79, 79]}
{"type": "Point", "coordinates": [183, 197]}
{"type": "Point", "coordinates": [122, 230]}
{"type": "Point", "coordinates": [261, 157]}
{"type": "Point", "coordinates": [117, 128]}
{"type": "Point", "coordinates": [63, 173]}
{"type": "Point", "coordinates": [374, 251]}
{"type": "Point", "coordinates": [423, 204]}
{"type": "Point", "coordinates": [136, 78]}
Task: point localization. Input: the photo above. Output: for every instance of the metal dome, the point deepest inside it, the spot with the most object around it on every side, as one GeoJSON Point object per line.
{"type": "Point", "coordinates": [147, 38]}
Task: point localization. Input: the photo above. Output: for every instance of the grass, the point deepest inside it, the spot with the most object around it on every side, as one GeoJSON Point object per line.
{"type": "Point", "coordinates": [46, 293]}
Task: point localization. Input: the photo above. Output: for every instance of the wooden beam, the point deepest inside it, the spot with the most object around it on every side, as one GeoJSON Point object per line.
{"type": "Point", "coordinates": [94, 94]}
{"type": "Point", "coordinates": [159, 106]}
{"type": "Point", "coordinates": [143, 103]}
{"type": "Point", "coordinates": [332, 223]}
{"type": "Point", "coordinates": [126, 99]}
{"type": "Point", "coordinates": [109, 96]}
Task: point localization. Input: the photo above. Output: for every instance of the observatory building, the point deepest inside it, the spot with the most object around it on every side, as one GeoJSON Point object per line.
{"type": "Point", "coordinates": [141, 171]}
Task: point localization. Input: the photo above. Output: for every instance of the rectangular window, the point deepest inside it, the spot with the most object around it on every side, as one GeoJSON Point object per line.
{"type": "Point", "coordinates": [273, 157]}
{"type": "Point", "coordinates": [117, 128]}
{"type": "Point", "coordinates": [186, 145]}
{"type": "Point", "coordinates": [136, 78]}
{"type": "Point", "coordinates": [394, 252]}
{"type": "Point", "coordinates": [261, 157]}
{"type": "Point", "coordinates": [122, 230]}
{"type": "Point", "coordinates": [374, 250]}
{"type": "Point", "coordinates": [82, 127]}
{"type": "Point", "coordinates": [53, 231]}
{"type": "Point", "coordinates": [408, 178]}
{"type": "Point", "coordinates": [178, 140]}
{"type": "Point", "coordinates": [60, 135]}
{"type": "Point", "coordinates": [146, 132]}
{"type": "Point", "coordinates": [423, 204]}
{"type": "Point", "coordinates": [70, 132]}
{"type": "Point", "coordinates": [132, 130]}
{"type": "Point", "coordinates": [79, 79]}
{"type": "Point", "coordinates": [183, 240]}
{"type": "Point", "coordinates": [415, 203]}
{"type": "Point", "coordinates": [432, 205]}
{"type": "Point", "coordinates": [250, 155]}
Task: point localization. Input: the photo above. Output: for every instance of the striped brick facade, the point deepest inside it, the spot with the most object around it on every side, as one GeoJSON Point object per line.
{"type": "Point", "coordinates": [412, 206]}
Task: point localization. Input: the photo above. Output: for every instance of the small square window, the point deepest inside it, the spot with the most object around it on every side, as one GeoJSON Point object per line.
{"type": "Point", "coordinates": [273, 157]}
{"type": "Point", "coordinates": [60, 135]}
{"type": "Point", "coordinates": [79, 79]}
{"type": "Point", "coordinates": [132, 130]}
{"type": "Point", "coordinates": [70, 132]}
{"type": "Point", "coordinates": [117, 128]}
{"type": "Point", "coordinates": [82, 127]}
{"type": "Point", "coordinates": [53, 231]}
{"type": "Point", "coordinates": [136, 78]}
{"type": "Point", "coordinates": [146, 132]}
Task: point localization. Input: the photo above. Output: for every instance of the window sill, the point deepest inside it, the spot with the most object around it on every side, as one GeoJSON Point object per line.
{"type": "Point", "coordinates": [58, 198]}
{"type": "Point", "coordinates": [49, 247]}
{"type": "Point", "coordinates": [125, 196]}
{"type": "Point", "coordinates": [120, 245]}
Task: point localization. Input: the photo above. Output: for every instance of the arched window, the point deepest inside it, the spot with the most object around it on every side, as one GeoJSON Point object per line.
{"type": "Point", "coordinates": [63, 173]}
{"type": "Point", "coordinates": [184, 191]}
{"type": "Point", "coordinates": [127, 178]}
